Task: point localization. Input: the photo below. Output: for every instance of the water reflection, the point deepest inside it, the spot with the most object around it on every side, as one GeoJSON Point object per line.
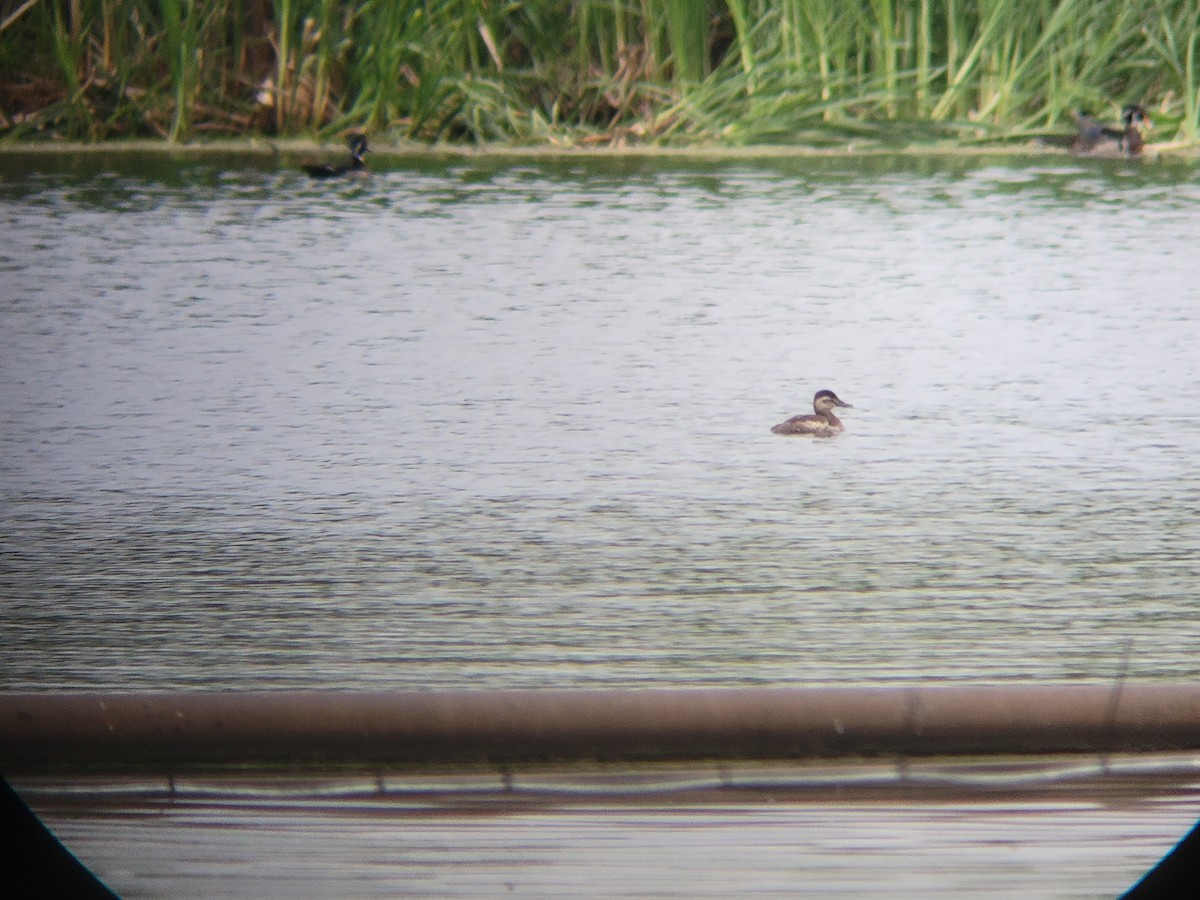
{"type": "Point", "coordinates": [484, 423]}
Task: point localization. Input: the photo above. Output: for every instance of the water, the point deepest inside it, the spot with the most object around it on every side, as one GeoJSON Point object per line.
{"type": "Point", "coordinates": [506, 423]}
{"type": "Point", "coordinates": [989, 850]}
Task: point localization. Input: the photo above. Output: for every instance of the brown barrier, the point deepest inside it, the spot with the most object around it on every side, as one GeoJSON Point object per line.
{"type": "Point", "coordinates": [510, 726]}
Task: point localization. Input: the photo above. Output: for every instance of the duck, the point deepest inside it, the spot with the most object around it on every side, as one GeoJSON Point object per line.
{"type": "Point", "coordinates": [355, 167]}
{"type": "Point", "coordinates": [822, 424]}
{"type": "Point", "coordinates": [1095, 139]}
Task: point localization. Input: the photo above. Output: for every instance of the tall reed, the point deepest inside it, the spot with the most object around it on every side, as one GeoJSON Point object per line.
{"type": "Point", "coordinates": [595, 70]}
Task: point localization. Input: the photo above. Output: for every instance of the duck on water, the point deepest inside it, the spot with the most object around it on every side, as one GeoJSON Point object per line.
{"type": "Point", "coordinates": [823, 423]}
{"type": "Point", "coordinates": [1095, 139]}
{"type": "Point", "coordinates": [356, 166]}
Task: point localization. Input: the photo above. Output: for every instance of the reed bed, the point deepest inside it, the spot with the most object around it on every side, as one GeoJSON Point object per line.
{"type": "Point", "coordinates": [594, 71]}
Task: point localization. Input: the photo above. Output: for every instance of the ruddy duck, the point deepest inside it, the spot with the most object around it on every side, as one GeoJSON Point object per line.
{"type": "Point", "coordinates": [823, 424]}
{"type": "Point", "coordinates": [356, 166]}
{"type": "Point", "coordinates": [1095, 139]}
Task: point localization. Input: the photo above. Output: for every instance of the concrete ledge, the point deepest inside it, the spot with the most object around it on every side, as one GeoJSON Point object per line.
{"type": "Point", "coordinates": [43, 730]}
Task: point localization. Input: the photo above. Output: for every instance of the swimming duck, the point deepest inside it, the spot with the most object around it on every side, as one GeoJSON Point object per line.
{"type": "Point", "coordinates": [1095, 139]}
{"type": "Point", "coordinates": [823, 424]}
{"type": "Point", "coordinates": [358, 146]}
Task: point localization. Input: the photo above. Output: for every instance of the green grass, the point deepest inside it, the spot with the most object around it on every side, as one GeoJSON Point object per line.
{"type": "Point", "coordinates": [595, 71]}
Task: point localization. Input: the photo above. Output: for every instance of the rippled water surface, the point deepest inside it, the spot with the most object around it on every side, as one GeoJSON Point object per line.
{"type": "Point", "coordinates": [502, 423]}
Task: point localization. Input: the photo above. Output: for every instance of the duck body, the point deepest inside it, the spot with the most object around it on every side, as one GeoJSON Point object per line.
{"type": "Point", "coordinates": [1095, 139]}
{"type": "Point", "coordinates": [356, 166]}
{"type": "Point", "coordinates": [822, 423]}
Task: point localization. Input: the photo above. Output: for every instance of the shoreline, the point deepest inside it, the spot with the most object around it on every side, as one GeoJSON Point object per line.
{"type": "Point", "coordinates": [269, 148]}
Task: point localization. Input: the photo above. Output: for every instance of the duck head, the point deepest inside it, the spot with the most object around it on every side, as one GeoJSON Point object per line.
{"type": "Point", "coordinates": [824, 401]}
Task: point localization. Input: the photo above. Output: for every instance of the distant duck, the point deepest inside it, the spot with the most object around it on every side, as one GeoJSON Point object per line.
{"type": "Point", "coordinates": [1095, 139]}
{"type": "Point", "coordinates": [823, 424]}
{"type": "Point", "coordinates": [355, 167]}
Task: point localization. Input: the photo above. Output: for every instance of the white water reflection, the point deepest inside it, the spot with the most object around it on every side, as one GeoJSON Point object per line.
{"type": "Point", "coordinates": [475, 425]}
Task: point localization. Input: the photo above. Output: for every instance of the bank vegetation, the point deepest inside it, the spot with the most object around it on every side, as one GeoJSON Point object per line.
{"type": "Point", "coordinates": [594, 72]}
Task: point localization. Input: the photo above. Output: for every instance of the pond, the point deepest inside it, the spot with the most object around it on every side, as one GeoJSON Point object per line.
{"type": "Point", "coordinates": [505, 422]}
